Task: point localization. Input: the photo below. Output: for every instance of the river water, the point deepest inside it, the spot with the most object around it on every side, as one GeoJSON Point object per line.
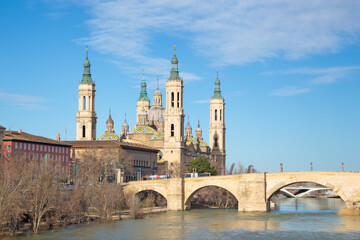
{"type": "Point", "coordinates": [294, 219]}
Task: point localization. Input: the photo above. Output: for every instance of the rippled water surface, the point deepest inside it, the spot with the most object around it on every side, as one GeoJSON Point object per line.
{"type": "Point", "coordinates": [294, 219]}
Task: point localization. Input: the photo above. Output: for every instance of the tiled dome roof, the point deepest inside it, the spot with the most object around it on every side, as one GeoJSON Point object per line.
{"type": "Point", "coordinates": [109, 136]}
{"type": "Point", "coordinates": [146, 129]}
{"type": "Point", "coordinates": [157, 136]}
{"type": "Point", "coordinates": [194, 141]}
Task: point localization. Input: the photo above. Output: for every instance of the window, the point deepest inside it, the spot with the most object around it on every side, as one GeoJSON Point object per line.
{"type": "Point", "coordinates": [178, 99]}
{"type": "Point", "coordinates": [84, 103]}
{"type": "Point", "coordinates": [9, 148]}
{"type": "Point", "coordinates": [89, 102]}
{"type": "Point", "coordinates": [40, 156]}
{"type": "Point", "coordinates": [62, 159]}
{"type": "Point", "coordinates": [56, 149]}
{"type": "Point", "coordinates": [55, 158]}
{"type": "Point", "coordinates": [172, 130]}
{"type": "Point", "coordinates": [63, 150]}
{"type": "Point", "coordinates": [67, 159]}
{"type": "Point", "coordinates": [16, 145]}
{"type": "Point", "coordinates": [172, 99]}
{"type": "Point", "coordinates": [37, 156]}
{"type": "Point", "coordinates": [41, 147]}
{"type": "Point", "coordinates": [67, 150]}
{"type": "Point", "coordinates": [20, 145]}
{"type": "Point", "coordinates": [37, 147]}
{"type": "Point", "coordinates": [83, 132]}
{"type": "Point", "coordinates": [215, 114]}
{"type": "Point", "coordinates": [52, 149]}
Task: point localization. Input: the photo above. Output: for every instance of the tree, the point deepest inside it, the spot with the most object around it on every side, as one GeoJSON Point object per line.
{"type": "Point", "coordinates": [202, 165]}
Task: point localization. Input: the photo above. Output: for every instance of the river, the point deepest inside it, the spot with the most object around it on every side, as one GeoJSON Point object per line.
{"type": "Point", "coordinates": [294, 219]}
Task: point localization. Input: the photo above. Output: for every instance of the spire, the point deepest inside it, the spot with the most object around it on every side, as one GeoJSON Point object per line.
{"type": "Point", "coordinates": [109, 124]}
{"type": "Point", "coordinates": [174, 73]}
{"type": "Point", "coordinates": [157, 92]}
{"type": "Point", "coordinates": [110, 119]}
{"type": "Point", "coordinates": [217, 91]}
{"type": "Point", "coordinates": [87, 75]}
{"type": "Point", "coordinates": [198, 129]}
{"type": "Point", "coordinates": [143, 93]}
{"type": "Point", "coordinates": [188, 124]}
{"type": "Point", "coordinates": [125, 122]}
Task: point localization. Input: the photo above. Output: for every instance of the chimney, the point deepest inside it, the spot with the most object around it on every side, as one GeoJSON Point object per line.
{"type": "Point", "coordinates": [58, 137]}
{"type": "Point", "coordinates": [311, 167]}
{"type": "Point", "coordinates": [19, 131]}
{"type": "Point", "coordinates": [281, 167]}
{"type": "Point", "coordinates": [342, 167]}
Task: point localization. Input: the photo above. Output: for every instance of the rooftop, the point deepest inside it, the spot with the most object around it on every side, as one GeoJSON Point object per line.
{"type": "Point", "coordinates": [27, 137]}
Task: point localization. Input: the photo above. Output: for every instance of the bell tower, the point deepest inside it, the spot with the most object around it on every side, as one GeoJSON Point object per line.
{"type": "Point", "coordinates": [86, 116]}
{"type": "Point", "coordinates": [174, 120]}
{"type": "Point", "coordinates": [217, 127]}
{"type": "Point", "coordinates": [143, 103]}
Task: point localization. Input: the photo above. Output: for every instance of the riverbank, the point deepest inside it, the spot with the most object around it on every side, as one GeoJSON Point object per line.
{"type": "Point", "coordinates": [25, 228]}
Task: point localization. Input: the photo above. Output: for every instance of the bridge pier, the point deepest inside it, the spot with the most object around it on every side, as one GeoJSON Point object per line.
{"type": "Point", "coordinates": [175, 194]}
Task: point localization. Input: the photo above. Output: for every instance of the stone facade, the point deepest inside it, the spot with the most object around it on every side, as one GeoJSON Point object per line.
{"type": "Point", "coordinates": [253, 191]}
{"type": "Point", "coordinates": [142, 159]}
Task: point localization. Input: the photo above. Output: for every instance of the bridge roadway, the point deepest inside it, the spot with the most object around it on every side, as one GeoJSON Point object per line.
{"type": "Point", "coordinates": [252, 190]}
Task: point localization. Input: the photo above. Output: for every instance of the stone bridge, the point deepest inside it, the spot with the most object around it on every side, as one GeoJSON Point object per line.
{"type": "Point", "coordinates": [252, 190]}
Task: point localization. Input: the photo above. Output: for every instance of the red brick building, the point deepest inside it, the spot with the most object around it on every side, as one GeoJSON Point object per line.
{"type": "Point", "coordinates": [37, 148]}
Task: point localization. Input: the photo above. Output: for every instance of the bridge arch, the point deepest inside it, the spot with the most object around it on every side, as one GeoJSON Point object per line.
{"type": "Point", "coordinates": [134, 189]}
{"type": "Point", "coordinates": [286, 183]}
{"type": "Point", "coordinates": [192, 192]}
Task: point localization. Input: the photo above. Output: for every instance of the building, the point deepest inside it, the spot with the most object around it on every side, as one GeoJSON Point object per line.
{"type": "Point", "coordinates": [37, 148]}
{"type": "Point", "coordinates": [2, 133]}
{"type": "Point", "coordinates": [158, 127]}
{"type": "Point", "coordinates": [164, 128]}
{"type": "Point", "coordinates": [141, 160]}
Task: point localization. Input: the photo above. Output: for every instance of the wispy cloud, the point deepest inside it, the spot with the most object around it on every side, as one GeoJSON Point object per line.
{"type": "Point", "coordinates": [230, 32]}
{"type": "Point", "coordinates": [319, 76]}
{"type": "Point", "coordinates": [25, 102]}
{"type": "Point", "coordinates": [290, 91]}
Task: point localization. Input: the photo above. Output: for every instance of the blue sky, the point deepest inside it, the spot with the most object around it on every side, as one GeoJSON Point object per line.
{"type": "Point", "coordinates": [289, 71]}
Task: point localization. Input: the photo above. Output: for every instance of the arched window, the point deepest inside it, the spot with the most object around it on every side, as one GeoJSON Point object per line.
{"type": "Point", "coordinates": [172, 130]}
{"type": "Point", "coordinates": [172, 99]}
{"type": "Point", "coordinates": [83, 131]}
{"type": "Point", "coordinates": [220, 114]}
{"type": "Point", "coordinates": [178, 99]}
{"type": "Point", "coordinates": [89, 102]}
{"type": "Point", "coordinates": [216, 140]}
{"type": "Point", "coordinates": [215, 114]}
{"type": "Point", "coordinates": [84, 103]}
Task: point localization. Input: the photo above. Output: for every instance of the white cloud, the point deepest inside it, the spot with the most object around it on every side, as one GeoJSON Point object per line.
{"type": "Point", "coordinates": [290, 91]}
{"type": "Point", "coordinates": [230, 32]}
{"type": "Point", "coordinates": [23, 101]}
{"type": "Point", "coordinates": [320, 75]}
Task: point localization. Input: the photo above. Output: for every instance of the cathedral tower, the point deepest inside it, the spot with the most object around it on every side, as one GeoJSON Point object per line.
{"type": "Point", "coordinates": [217, 127]}
{"type": "Point", "coordinates": [86, 116]}
{"type": "Point", "coordinates": [157, 97]}
{"type": "Point", "coordinates": [143, 102]}
{"type": "Point", "coordinates": [174, 120]}
{"type": "Point", "coordinates": [125, 128]}
{"type": "Point", "coordinates": [110, 124]}
{"type": "Point", "coordinates": [188, 130]}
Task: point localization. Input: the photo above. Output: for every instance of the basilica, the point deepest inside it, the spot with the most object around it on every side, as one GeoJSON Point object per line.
{"type": "Point", "coordinates": [158, 127]}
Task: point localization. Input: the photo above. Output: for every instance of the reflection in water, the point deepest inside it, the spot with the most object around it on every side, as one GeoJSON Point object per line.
{"type": "Point", "coordinates": [312, 218]}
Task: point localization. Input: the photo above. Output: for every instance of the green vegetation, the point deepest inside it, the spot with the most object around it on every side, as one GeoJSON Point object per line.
{"type": "Point", "coordinates": [202, 165]}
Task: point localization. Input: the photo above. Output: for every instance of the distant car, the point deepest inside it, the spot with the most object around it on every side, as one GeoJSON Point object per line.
{"type": "Point", "coordinates": [156, 177]}
{"type": "Point", "coordinates": [205, 174]}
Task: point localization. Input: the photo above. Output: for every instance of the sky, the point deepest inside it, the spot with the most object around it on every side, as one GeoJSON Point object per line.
{"type": "Point", "coordinates": [289, 71]}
